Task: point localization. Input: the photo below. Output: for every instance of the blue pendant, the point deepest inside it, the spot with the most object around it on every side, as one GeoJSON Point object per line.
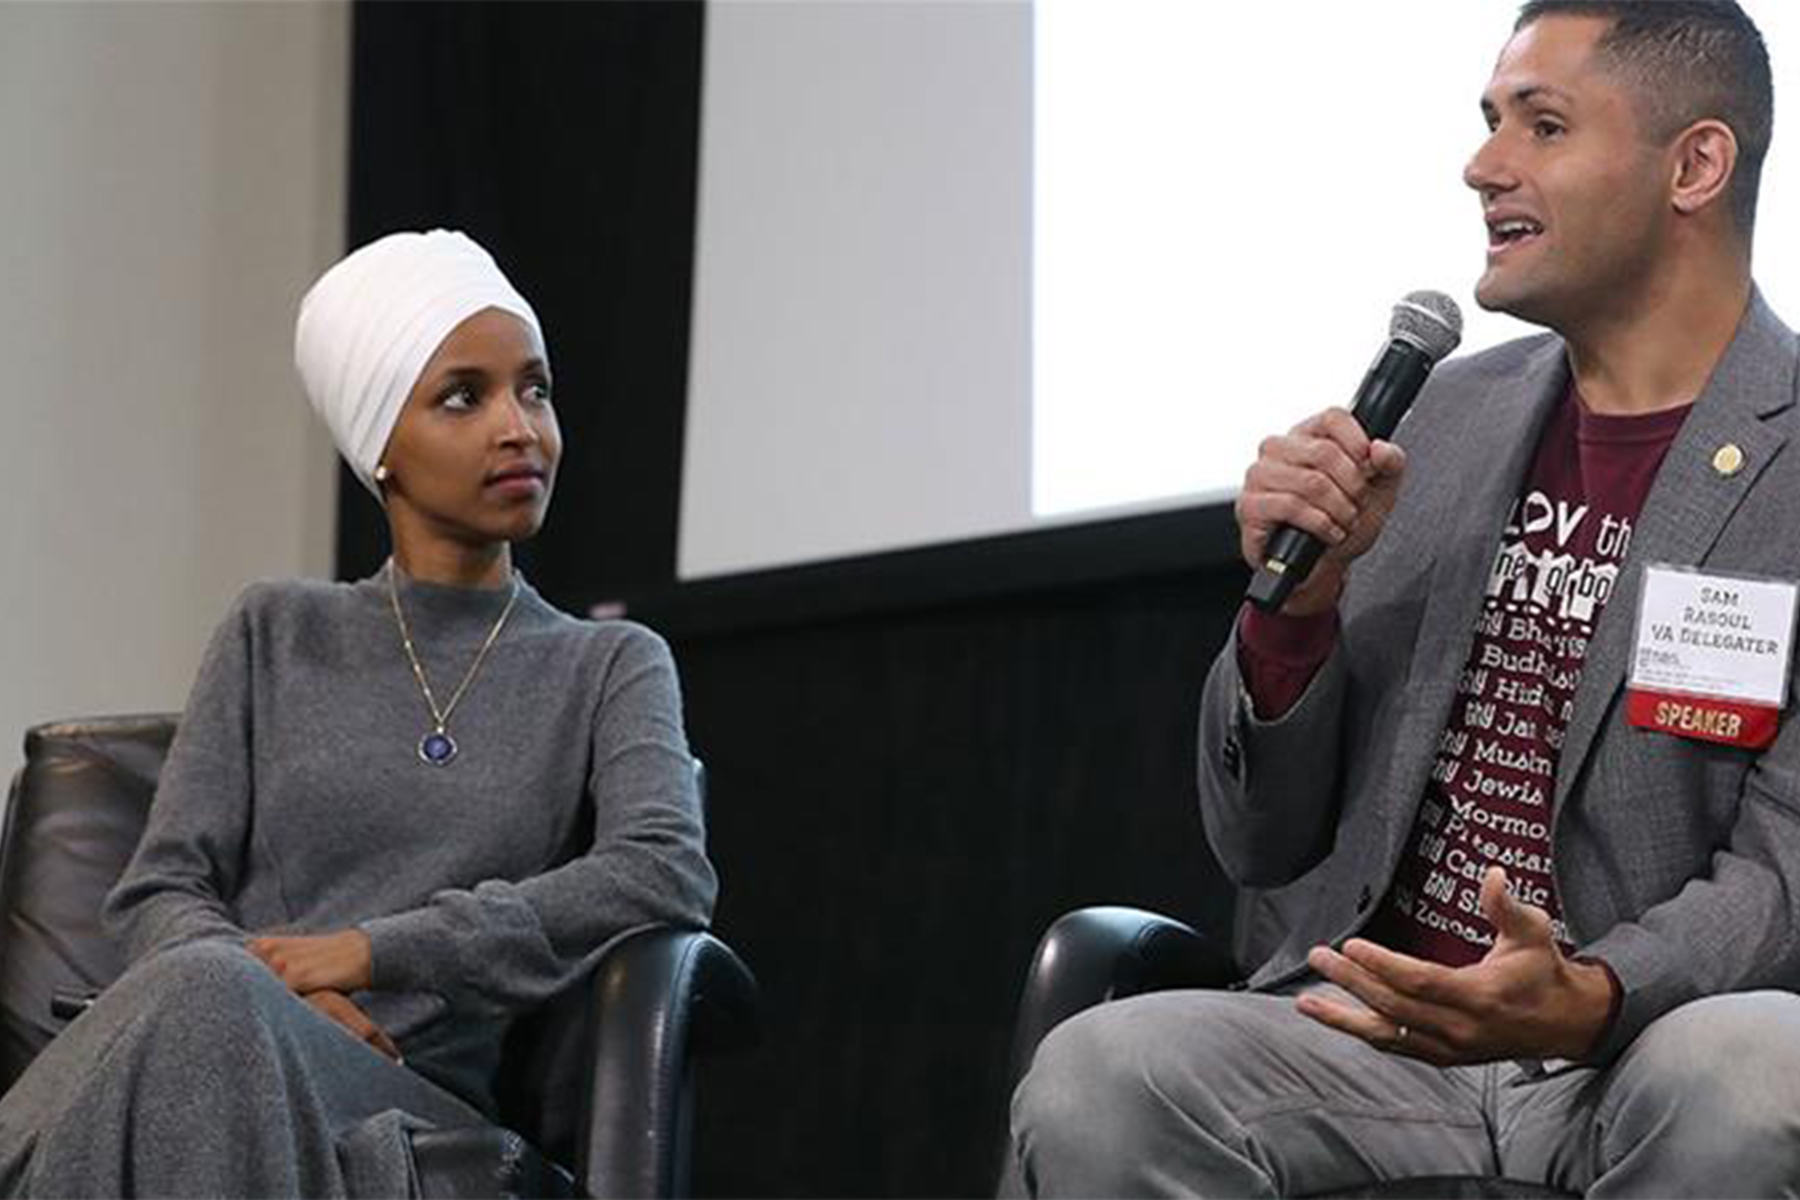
{"type": "Point", "coordinates": [437, 748]}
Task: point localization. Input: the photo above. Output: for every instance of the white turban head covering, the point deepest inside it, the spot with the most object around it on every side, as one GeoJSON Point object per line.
{"type": "Point", "coordinates": [372, 322]}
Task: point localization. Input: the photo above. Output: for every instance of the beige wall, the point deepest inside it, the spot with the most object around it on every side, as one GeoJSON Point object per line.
{"type": "Point", "coordinates": [171, 178]}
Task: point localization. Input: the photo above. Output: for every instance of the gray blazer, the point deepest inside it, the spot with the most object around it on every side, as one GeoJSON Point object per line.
{"type": "Point", "coordinates": [1677, 861]}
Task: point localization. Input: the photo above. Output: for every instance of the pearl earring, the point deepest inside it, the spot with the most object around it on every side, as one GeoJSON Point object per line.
{"type": "Point", "coordinates": [382, 474]}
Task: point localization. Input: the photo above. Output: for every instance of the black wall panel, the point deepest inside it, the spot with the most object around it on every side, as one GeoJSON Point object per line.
{"type": "Point", "coordinates": [899, 805]}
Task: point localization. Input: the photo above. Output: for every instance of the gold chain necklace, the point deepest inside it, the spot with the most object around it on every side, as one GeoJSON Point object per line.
{"type": "Point", "coordinates": [437, 747]}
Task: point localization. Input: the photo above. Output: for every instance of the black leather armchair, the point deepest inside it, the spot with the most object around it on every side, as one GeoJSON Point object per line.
{"type": "Point", "coordinates": [599, 1081]}
{"type": "Point", "coordinates": [1094, 955]}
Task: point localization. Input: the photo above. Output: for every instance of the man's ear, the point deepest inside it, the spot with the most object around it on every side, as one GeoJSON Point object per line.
{"type": "Point", "coordinates": [1705, 160]}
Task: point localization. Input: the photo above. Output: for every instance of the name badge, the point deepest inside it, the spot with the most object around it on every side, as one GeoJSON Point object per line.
{"type": "Point", "coordinates": [1711, 656]}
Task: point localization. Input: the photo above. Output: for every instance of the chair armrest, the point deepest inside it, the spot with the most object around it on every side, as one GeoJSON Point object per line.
{"type": "Point", "coordinates": [659, 996]}
{"type": "Point", "coordinates": [68, 1003]}
{"type": "Point", "coordinates": [484, 1161]}
{"type": "Point", "coordinates": [1093, 955]}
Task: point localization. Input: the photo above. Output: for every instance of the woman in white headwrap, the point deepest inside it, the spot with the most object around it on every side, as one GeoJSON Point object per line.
{"type": "Point", "coordinates": [396, 813]}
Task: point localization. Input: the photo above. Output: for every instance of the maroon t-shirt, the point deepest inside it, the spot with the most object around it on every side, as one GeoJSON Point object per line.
{"type": "Point", "coordinates": [1488, 800]}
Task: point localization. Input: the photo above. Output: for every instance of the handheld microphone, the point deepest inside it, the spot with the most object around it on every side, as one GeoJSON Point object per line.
{"type": "Point", "coordinates": [1426, 327]}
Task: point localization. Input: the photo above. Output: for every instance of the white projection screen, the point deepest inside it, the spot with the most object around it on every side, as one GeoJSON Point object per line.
{"type": "Point", "coordinates": [972, 268]}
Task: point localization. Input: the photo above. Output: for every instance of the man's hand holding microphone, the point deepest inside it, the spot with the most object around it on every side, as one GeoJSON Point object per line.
{"type": "Point", "coordinates": [1317, 496]}
{"type": "Point", "coordinates": [1325, 477]}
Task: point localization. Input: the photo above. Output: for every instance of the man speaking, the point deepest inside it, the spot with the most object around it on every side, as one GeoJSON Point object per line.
{"type": "Point", "coordinates": [1524, 740]}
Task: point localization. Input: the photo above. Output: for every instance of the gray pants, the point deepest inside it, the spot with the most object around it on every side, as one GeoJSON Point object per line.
{"type": "Point", "coordinates": [1234, 1094]}
{"type": "Point", "coordinates": [199, 1074]}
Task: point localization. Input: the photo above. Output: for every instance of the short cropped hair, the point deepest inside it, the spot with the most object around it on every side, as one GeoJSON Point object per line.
{"type": "Point", "coordinates": [1688, 60]}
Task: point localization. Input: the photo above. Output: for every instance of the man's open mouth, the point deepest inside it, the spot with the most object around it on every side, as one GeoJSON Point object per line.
{"type": "Point", "coordinates": [1511, 231]}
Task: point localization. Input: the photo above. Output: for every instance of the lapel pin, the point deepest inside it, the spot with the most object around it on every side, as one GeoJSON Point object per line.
{"type": "Point", "coordinates": [1728, 460]}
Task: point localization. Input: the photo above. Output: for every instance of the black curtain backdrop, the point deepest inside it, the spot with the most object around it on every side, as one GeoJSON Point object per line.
{"type": "Point", "coordinates": [903, 794]}
{"type": "Point", "coordinates": [900, 805]}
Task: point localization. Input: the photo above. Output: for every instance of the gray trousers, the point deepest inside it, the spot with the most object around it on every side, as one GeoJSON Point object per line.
{"type": "Point", "coordinates": [1236, 1094]}
{"type": "Point", "coordinates": [199, 1074]}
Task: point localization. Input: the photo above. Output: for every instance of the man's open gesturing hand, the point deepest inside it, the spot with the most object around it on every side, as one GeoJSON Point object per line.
{"type": "Point", "coordinates": [1525, 999]}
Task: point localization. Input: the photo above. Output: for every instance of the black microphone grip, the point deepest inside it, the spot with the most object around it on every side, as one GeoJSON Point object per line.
{"type": "Point", "coordinates": [1387, 391]}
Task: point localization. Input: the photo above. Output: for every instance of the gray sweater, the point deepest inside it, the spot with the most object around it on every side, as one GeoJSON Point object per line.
{"type": "Point", "coordinates": [294, 800]}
